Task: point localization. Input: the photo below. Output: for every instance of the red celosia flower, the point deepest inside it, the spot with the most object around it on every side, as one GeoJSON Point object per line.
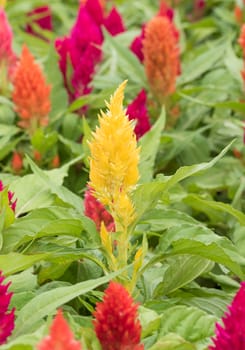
{"type": "Point", "coordinates": [12, 202]}
{"type": "Point", "coordinates": [31, 93]}
{"type": "Point", "coordinates": [231, 334]}
{"type": "Point", "coordinates": [8, 59]}
{"type": "Point", "coordinates": [17, 162]}
{"type": "Point", "coordinates": [60, 337]}
{"type": "Point", "coordinates": [116, 320]}
{"type": "Point", "coordinates": [137, 110]}
{"type": "Point", "coordinates": [6, 318]}
{"type": "Point", "coordinates": [41, 17]}
{"type": "Point", "coordinates": [80, 51]}
{"type": "Point", "coordinates": [97, 212]}
{"type": "Point", "coordinates": [161, 57]}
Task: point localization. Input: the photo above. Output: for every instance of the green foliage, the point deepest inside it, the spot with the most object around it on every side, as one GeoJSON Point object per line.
{"type": "Point", "coordinates": [186, 246]}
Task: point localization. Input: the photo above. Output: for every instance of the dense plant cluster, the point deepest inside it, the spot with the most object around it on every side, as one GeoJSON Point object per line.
{"type": "Point", "coordinates": [122, 175]}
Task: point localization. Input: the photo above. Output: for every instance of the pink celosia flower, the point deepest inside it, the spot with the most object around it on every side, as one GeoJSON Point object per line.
{"type": "Point", "coordinates": [6, 318]}
{"type": "Point", "coordinates": [80, 52]}
{"type": "Point", "coordinates": [116, 320]}
{"type": "Point", "coordinates": [231, 334]}
{"type": "Point", "coordinates": [97, 212]}
{"type": "Point", "coordinates": [41, 17]}
{"type": "Point", "coordinates": [60, 336]}
{"type": "Point", "coordinates": [12, 202]}
{"type": "Point", "coordinates": [8, 59]}
{"type": "Point", "coordinates": [137, 110]}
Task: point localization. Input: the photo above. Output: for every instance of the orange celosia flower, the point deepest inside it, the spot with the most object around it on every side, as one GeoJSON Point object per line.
{"type": "Point", "coordinates": [55, 163]}
{"type": "Point", "coordinates": [60, 337]}
{"type": "Point", "coordinates": [31, 93]}
{"type": "Point", "coordinates": [241, 41]}
{"type": "Point", "coordinates": [238, 14]}
{"type": "Point", "coordinates": [17, 162]}
{"type": "Point", "coordinates": [161, 57]}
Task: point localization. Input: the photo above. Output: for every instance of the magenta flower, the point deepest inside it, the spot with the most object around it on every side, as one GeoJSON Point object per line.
{"type": "Point", "coordinates": [42, 17]}
{"type": "Point", "coordinates": [12, 202]}
{"type": "Point", "coordinates": [80, 52]}
{"type": "Point", "coordinates": [231, 334]}
{"type": "Point", "coordinates": [137, 45]}
{"type": "Point", "coordinates": [6, 318]}
{"type": "Point", "coordinates": [137, 110]}
{"type": "Point", "coordinates": [114, 23]}
{"type": "Point", "coordinates": [8, 59]}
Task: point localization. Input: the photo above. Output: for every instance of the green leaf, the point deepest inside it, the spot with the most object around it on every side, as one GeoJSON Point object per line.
{"type": "Point", "coordinates": [196, 201]}
{"type": "Point", "coordinates": [213, 301]}
{"type": "Point", "coordinates": [172, 341]}
{"type": "Point", "coordinates": [62, 192]}
{"type": "Point", "coordinates": [129, 62]}
{"type": "Point", "coordinates": [16, 262]}
{"type": "Point", "coordinates": [200, 241]}
{"type": "Point", "coordinates": [202, 63]}
{"type": "Point", "coordinates": [59, 98]}
{"type": "Point", "coordinates": [149, 144]}
{"type": "Point", "coordinates": [146, 195]}
{"type": "Point", "coordinates": [181, 270]}
{"type": "Point", "coordinates": [192, 324]}
{"type": "Point", "coordinates": [47, 302]}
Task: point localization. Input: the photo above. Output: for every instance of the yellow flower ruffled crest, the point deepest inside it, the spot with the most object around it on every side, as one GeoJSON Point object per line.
{"type": "Point", "coordinates": [114, 157]}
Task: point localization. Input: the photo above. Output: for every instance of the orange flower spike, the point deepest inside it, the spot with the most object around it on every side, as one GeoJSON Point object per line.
{"type": "Point", "coordinates": [60, 336]}
{"type": "Point", "coordinates": [17, 162]}
{"type": "Point", "coordinates": [241, 41]}
{"type": "Point", "coordinates": [161, 57]}
{"type": "Point", "coordinates": [31, 94]}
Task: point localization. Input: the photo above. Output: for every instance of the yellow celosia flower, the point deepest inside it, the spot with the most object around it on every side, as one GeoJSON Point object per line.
{"type": "Point", "coordinates": [2, 3]}
{"type": "Point", "coordinates": [114, 155]}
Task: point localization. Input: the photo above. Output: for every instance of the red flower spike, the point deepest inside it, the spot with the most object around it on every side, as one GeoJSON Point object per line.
{"type": "Point", "coordinates": [231, 334]}
{"type": "Point", "coordinates": [137, 110]}
{"type": "Point", "coordinates": [97, 212]}
{"type": "Point", "coordinates": [6, 319]}
{"type": "Point", "coordinates": [116, 324]}
{"type": "Point", "coordinates": [60, 336]}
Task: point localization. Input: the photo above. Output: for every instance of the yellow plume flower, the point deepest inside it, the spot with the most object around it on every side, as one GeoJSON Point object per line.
{"type": "Point", "coordinates": [2, 3]}
{"type": "Point", "coordinates": [114, 155]}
